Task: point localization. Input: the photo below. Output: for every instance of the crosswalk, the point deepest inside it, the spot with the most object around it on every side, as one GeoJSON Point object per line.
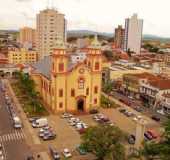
{"type": "Point", "coordinates": [13, 136]}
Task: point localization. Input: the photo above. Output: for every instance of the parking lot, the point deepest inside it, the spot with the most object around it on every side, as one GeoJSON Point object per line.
{"type": "Point", "coordinates": [69, 137]}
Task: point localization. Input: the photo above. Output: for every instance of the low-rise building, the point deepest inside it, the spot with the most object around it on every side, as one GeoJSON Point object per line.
{"type": "Point", "coordinates": [132, 83]}
{"type": "Point", "coordinates": [17, 56]}
{"type": "Point", "coordinates": [164, 102]}
{"type": "Point", "coordinates": [117, 72]}
{"type": "Point", "coordinates": [151, 89]}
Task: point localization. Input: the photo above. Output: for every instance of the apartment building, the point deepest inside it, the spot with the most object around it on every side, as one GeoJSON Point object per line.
{"type": "Point", "coordinates": [51, 25]}
{"type": "Point", "coordinates": [133, 34]}
{"type": "Point", "coordinates": [20, 56]}
{"type": "Point", "coordinates": [119, 37]}
{"type": "Point", "coordinates": [27, 37]}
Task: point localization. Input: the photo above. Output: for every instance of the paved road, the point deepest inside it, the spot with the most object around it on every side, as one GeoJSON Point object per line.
{"type": "Point", "coordinates": [13, 141]}
{"type": "Point", "coordinates": [134, 103]}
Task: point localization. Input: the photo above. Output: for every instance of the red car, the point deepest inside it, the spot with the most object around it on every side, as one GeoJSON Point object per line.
{"type": "Point", "coordinates": [82, 131]}
{"type": "Point", "coordinates": [153, 134]}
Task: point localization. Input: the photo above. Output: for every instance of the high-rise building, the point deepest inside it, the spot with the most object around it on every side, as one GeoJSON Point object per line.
{"type": "Point", "coordinates": [27, 37]}
{"type": "Point", "coordinates": [119, 37]}
{"type": "Point", "coordinates": [133, 34]}
{"type": "Point", "coordinates": [51, 25]}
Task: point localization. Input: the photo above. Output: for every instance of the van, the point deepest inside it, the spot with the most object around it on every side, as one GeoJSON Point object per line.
{"type": "Point", "coordinates": [17, 122]}
{"type": "Point", "coordinates": [42, 122]}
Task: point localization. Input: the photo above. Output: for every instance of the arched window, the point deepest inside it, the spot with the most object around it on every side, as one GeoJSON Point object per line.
{"type": "Point", "coordinates": [60, 105]}
{"type": "Point", "coordinates": [96, 65]}
{"type": "Point", "coordinates": [96, 89]}
{"type": "Point", "coordinates": [72, 92]}
{"type": "Point", "coordinates": [61, 93]}
{"type": "Point", "coordinates": [81, 83]}
{"type": "Point", "coordinates": [61, 67]}
{"type": "Point", "coordinates": [87, 91]}
{"type": "Point", "coordinates": [95, 101]}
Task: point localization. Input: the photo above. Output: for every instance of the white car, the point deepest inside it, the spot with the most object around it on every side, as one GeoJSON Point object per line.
{"type": "Point", "coordinates": [67, 153]}
{"type": "Point", "coordinates": [139, 117]}
{"type": "Point", "coordinates": [135, 119]}
{"type": "Point", "coordinates": [66, 115]}
{"type": "Point", "coordinates": [161, 112]}
{"type": "Point", "coordinates": [70, 120]}
{"type": "Point", "coordinates": [72, 123]}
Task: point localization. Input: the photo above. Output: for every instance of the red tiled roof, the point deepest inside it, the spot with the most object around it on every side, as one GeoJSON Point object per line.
{"type": "Point", "coordinates": [161, 84]}
{"type": "Point", "coordinates": [145, 75]}
{"type": "Point", "coordinates": [2, 56]}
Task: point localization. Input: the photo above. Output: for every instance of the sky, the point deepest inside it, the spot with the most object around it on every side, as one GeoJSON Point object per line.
{"type": "Point", "coordinates": [96, 15]}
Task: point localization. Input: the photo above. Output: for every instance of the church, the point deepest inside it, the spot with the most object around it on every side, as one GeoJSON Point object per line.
{"type": "Point", "coordinates": [70, 82]}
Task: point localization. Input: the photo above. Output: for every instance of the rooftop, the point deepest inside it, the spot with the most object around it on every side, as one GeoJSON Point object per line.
{"type": "Point", "coordinates": [43, 66]}
{"type": "Point", "coordinates": [161, 84]}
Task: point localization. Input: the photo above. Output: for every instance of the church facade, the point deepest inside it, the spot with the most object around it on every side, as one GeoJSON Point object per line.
{"type": "Point", "coordinates": [70, 82]}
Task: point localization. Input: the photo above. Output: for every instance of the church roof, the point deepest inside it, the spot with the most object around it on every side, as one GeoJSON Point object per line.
{"type": "Point", "coordinates": [43, 66]}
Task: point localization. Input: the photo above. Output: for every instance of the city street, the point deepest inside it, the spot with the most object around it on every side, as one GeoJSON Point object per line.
{"type": "Point", "coordinates": [13, 141]}
{"type": "Point", "coordinates": [149, 111]}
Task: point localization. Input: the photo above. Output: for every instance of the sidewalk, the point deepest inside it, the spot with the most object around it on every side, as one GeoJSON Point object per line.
{"type": "Point", "coordinates": [32, 139]}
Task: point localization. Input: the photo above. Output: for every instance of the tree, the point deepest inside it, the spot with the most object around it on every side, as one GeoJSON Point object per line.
{"type": "Point", "coordinates": [160, 150]}
{"type": "Point", "coordinates": [107, 87]}
{"type": "Point", "coordinates": [105, 142]}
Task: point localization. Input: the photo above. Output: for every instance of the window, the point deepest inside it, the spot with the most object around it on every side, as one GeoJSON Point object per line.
{"type": "Point", "coordinates": [81, 83]}
{"type": "Point", "coordinates": [97, 66]}
{"type": "Point", "coordinates": [61, 67]}
{"type": "Point", "coordinates": [72, 92]}
{"type": "Point", "coordinates": [95, 101]}
{"type": "Point", "coordinates": [89, 64]}
{"type": "Point", "coordinates": [87, 91]}
{"type": "Point", "coordinates": [61, 93]}
{"type": "Point", "coordinates": [53, 66]}
{"type": "Point", "coordinates": [60, 105]}
{"type": "Point", "coordinates": [95, 89]}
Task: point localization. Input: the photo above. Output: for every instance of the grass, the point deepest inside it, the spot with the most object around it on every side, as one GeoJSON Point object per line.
{"type": "Point", "coordinates": [25, 102]}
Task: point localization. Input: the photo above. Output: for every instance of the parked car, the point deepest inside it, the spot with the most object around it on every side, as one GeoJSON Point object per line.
{"type": "Point", "coordinates": [82, 130]}
{"type": "Point", "coordinates": [161, 112]}
{"type": "Point", "coordinates": [66, 115]}
{"type": "Point", "coordinates": [129, 114]}
{"type": "Point", "coordinates": [122, 110]}
{"type": "Point", "coordinates": [156, 118]}
{"type": "Point", "coordinates": [54, 154]}
{"type": "Point", "coordinates": [153, 134]}
{"type": "Point", "coordinates": [67, 153]}
{"type": "Point", "coordinates": [147, 136]}
{"type": "Point", "coordinates": [81, 150]}
{"type": "Point", "coordinates": [49, 136]}
{"type": "Point", "coordinates": [130, 97]}
{"type": "Point", "coordinates": [93, 111]}
{"type": "Point", "coordinates": [42, 122]}
{"type": "Point", "coordinates": [138, 109]}
{"type": "Point", "coordinates": [32, 119]}
{"type": "Point", "coordinates": [131, 139]}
